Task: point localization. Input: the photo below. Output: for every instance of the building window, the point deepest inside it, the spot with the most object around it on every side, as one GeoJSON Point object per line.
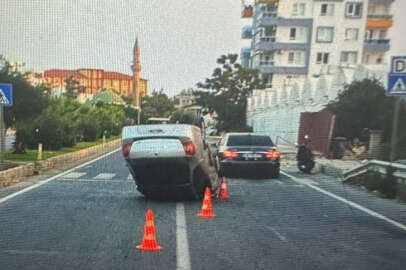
{"type": "Point", "coordinates": [299, 9]}
{"type": "Point", "coordinates": [327, 10]}
{"type": "Point", "coordinates": [351, 34]}
{"type": "Point", "coordinates": [266, 58]}
{"type": "Point", "coordinates": [366, 59]}
{"type": "Point", "coordinates": [382, 34]}
{"type": "Point", "coordinates": [267, 79]}
{"type": "Point", "coordinates": [322, 58]}
{"type": "Point", "coordinates": [325, 34]}
{"type": "Point", "coordinates": [296, 58]}
{"type": "Point", "coordinates": [292, 33]}
{"type": "Point", "coordinates": [349, 57]}
{"type": "Point", "coordinates": [353, 10]}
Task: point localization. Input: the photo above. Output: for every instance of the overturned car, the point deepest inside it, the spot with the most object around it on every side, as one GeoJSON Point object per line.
{"type": "Point", "coordinates": [169, 161]}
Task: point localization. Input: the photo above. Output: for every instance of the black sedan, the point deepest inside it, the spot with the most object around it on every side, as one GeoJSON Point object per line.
{"type": "Point", "coordinates": [248, 154]}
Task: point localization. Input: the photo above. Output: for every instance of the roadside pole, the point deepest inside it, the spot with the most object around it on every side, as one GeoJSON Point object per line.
{"type": "Point", "coordinates": [395, 127]}
{"type": "Point", "coordinates": [2, 135]}
{"type": "Point", "coordinates": [6, 99]}
{"type": "Point", "coordinates": [397, 89]}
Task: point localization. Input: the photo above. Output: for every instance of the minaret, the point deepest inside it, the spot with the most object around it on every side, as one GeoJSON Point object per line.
{"type": "Point", "coordinates": [136, 68]}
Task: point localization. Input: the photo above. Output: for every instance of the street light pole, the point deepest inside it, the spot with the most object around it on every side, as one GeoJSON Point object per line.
{"type": "Point", "coordinates": [395, 126]}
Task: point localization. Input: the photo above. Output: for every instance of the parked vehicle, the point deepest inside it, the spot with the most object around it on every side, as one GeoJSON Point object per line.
{"type": "Point", "coordinates": [169, 160]}
{"type": "Point", "coordinates": [305, 158]}
{"type": "Point", "coordinates": [248, 153]}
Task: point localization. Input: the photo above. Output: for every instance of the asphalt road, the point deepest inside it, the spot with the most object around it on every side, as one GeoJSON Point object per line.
{"type": "Point", "coordinates": [93, 217]}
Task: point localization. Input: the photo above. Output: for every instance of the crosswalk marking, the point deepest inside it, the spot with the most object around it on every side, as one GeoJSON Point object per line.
{"type": "Point", "coordinates": [105, 176]}
{"type": "Point", "coordinates": [74, 175]}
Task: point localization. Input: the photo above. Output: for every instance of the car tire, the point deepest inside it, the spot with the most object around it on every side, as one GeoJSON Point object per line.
{"type": "Point", "coordinates": [199, 184]}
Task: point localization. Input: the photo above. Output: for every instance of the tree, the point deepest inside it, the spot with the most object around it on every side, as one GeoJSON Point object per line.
{"type": "Point", "coordinates": [363, 105]}
{"type": "Point", "coordinates": [73, 88]}
{"type": "Point", "coordinates": [227, 90]}
{"type": "Point", "coordinates": [28, 101]}
{"type": "Point", "coordinates": [182, 117]}
{"type": "Point", "coordinates": [156, 105]}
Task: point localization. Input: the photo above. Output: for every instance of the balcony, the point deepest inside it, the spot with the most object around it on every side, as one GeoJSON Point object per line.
{"type": "Point", "coordinates": [380, 16]}
{"type": "Point", "coordinates": [269, 44]}
{"type": "Point", "coordinates": [377, 45]}
{"type": "Point", "coordinates": [247, 12]}
{"type": "Point", "coordinates": [379, 23]}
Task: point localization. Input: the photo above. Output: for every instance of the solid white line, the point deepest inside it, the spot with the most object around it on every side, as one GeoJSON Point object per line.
{"type": "Point", "coordinates": [2, 200]}
{"type": "Point", "coordinates": [351, 203]}
{"type": "Point", "coordinates": [280, 236]}
{"type": "Point", "coordinates": [182, 246]}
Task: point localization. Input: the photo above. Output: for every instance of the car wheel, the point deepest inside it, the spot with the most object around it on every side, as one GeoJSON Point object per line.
{"type": "Point", "coordinates": [199, 184]}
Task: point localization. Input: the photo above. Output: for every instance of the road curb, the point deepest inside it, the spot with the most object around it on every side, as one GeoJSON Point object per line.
{"type": "Point", "coordinates": [20, 173]}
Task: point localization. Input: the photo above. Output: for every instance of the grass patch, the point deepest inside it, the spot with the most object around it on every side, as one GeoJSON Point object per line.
{"type": "Point", "coordinates": [31, 154]}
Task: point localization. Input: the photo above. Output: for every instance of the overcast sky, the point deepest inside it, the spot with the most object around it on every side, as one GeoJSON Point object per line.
{"type": "Point", "coordinates": [180, 39]}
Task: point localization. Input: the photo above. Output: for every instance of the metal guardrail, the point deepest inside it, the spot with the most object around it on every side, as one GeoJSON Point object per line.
{"type": "Point", "coordinates": [381, 165]}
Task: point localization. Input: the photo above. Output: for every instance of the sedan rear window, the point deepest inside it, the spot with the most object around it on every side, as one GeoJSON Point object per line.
{"type": "Point", "coordinates": [239, 140]}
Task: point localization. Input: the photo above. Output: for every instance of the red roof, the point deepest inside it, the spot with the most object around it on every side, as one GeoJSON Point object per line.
{"type": "Point", "coordinates": [65, 73]}
{"type": "Point", "coordinates": [115, 75]}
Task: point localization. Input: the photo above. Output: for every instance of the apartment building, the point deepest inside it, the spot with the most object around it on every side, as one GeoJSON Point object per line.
{"type": "Point", "coordinates": [297, 39]}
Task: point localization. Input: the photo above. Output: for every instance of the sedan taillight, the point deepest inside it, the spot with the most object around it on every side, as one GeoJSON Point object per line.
{"type": "Point", "coordinates": [230, 154]}
{"type": "Point", "coordinates": [190, 148]}
{"type": "Point", "coordinates": [126, 148]}
{"type": "Point", "coordinates": [273, 154]}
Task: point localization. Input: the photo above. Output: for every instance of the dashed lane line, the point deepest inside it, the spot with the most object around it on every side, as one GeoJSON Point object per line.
{"type": "Point", "coordinates": [351, 203]}
{"type": "Point", "coordinates": [74, 175]}
{"type": "Point", "coordinates": [104, 176]}
{"type": "Point", "coordinates": [182, 245]}
{"type": "Point", "coordinates": [15, 194]}
{"type": "Point", "coordinates": [278, 234]}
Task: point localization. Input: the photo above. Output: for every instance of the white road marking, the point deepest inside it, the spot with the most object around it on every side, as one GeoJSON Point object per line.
{"type": "Point", "coordinates": [74, 175]}
{"type": "Point", "coordinates": [104, 176]}
{"type": "Point", "coordinates": [95, 180]}
{"type": "Point", "coordinates": [307, 181]}
{"type": "Point", "coordinates": [182, 246]}
{"type": "Point", "coordinates": [280, 236]}
{"type": "Point", "coordinates": [130, 177]}
{"type": "Point", "coordinates": [15, 194]}
{"type": "Point", "coordinates": [351, 203]}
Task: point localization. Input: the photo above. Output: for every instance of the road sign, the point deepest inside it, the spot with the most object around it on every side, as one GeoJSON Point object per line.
{"type": "Point", "coordinates": [398, 65]}
{"type": "Point", "coordinates": [6, 94]}
{"type": "Point", "coordinates": [396, 85]}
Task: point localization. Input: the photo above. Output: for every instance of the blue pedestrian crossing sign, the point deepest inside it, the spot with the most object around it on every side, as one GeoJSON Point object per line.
{"type": "Point", "coordinates": [397, 77]}
{"type": "Point", "coordinates": [6, 94]}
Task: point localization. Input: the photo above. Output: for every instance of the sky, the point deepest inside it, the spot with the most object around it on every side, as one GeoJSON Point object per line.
{"type": "Point", "coordinates": [180, 40]}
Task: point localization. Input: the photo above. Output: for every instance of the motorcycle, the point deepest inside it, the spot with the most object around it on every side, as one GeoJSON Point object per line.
{"type": "Point", "coordinates": [305, 158]}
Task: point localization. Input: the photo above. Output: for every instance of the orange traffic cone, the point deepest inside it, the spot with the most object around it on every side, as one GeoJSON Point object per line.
{"type": "Point", "coordinates": [149, 240]}
{"type": "Point", "coordinates": [223, 190]}
{"type": "Point", "coordinates": [207, 211]}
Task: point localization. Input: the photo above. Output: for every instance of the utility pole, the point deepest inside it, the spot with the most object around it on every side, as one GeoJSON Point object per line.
{"type": "Point", "coordinates": [395, 127]}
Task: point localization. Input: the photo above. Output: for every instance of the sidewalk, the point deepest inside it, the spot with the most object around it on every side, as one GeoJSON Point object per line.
{"type": "Point", "coordinates": [331, 167]}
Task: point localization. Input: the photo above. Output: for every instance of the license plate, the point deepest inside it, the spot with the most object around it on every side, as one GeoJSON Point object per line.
{"type": "Point", "coordinates": [253, 155]}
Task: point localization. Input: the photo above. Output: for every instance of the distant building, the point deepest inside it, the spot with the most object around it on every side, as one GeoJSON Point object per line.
{"type": "Point", "coordinates": [185, 98]}
{"type": "Point", "coordinates": [95, 80]}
